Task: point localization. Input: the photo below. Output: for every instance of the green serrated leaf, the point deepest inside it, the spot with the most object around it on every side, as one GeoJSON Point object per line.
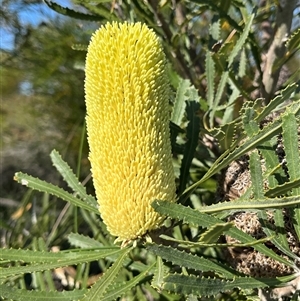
{"type": "Point", "coordinates": [48, 257]}
{"type": "Point", "coordinates": [276, 102]}
{"type": "Point", "coordinates": [219, 93]}
{"type": "Point", "coordinates": [241, 41]}
{"type": "Point", "coordinates": [293, 42]}
{"type": "Point", "coordinates": [210, 77]}
{"type": "Point", "coordinates": [214, 28]}
{"type": "Point", "coordinates": [214, 232]}
{"type": "Point", "coordinates": [279, 239]}
{"type": "Point", "coordinates": [179, 102]}
{"type": "Point", "coordinates": [192, 94]}
{"type": "Point", "coordinates": [280, 225]}
{"type": "Point", "coordinates": [71, 13]}
{"type": "Point", "coordinates": [242, 63]}
{"type": "Point", "coordinates": [226, 134]}
{"type": "Point", "coordinates": [198, 244]}
{"type": "Point", "coordinates": [79, 47]}
{"type": "Point", "coordinates": [229, 110]}
{"type": "Point", "coordinates": [159, 273]}
{"type": "Point", "coordinates": [296, 217]}
{"type": "Point", "coordinates": [290, 139]}
{"type": "Point", "coordinates": [46, 275]}
{"type": "Point", "coordinates": [118, 290]}
{"type": "Point", "coordinates": [41, 261]}
{"type": "Point", "coordinates": [98, 289]}
{"type": "Point", "coordinates": [191, 284]}
{"type": "Point", "coordinates": [43, 186]}
{"type": "Point", "coordinates": [182, 258]}
{"type": "Point", "coordinates": [71, 179]}
{"type": "Point", "coordinates": [282, 189]}
{"type": "Point", "coordinates": [253, 204]}
{"type": "Point", "coordinates": [274, 172]}
{"type": "Point", "coordinates": [250, 126]}
{"type": "Point", "coordinates": [256, 175]}
{"type": "Point", "coordinates": [11, 293]}
{"type": "Point", "coordinates": [197, 218]}
{"type": "Point", "coordinates": [186, 214]}
{"type": "Point", "coordinates": [291, 147]}
{"type": "Point", "coordinates": [85, 242]}
{"type": "Point", "coordinates": [225, 159]}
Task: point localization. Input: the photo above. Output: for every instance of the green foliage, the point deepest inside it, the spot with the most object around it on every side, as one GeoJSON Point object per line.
{"type": "Point", "coordinates": [183, 259]}
{"type": "Point", "coordinates": [41, 261]}
{"type": "Point", "coordinates": [40, 185]}
{"type": "Point", "coordinates": [71, 13]}
{"type": "Point", "coordinates": [218, 118]}
{"type": "Point", "coordinates": [98, 290]}
{"type": "Point", "coordinates": [22, 294]}
{"type": "Point", "coordinates": [199, 286]}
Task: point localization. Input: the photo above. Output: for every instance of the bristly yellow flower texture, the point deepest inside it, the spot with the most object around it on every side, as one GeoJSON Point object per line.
{"type": "Point", "coordinates": [127, 99]}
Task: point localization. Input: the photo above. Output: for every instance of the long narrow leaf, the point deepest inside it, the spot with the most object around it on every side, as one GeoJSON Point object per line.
{"type": "Point", "coordinates": [192, 135]}
{"type": "Point", "coordinates": [274, 172]}
{"type": "Point", "coordinates": [242, 64]}
{"type": "Point", "coordinates": [71, 13]}
{"type": "Point", "coordinates": [72, 181]}
{"type": "Point", "coordinates": [48, 257]}
{"type": "Point", "coordinates": [197, 218]}
{"type": "Point", "coordinates": [292, 156]}
{"type": "Point", "coordinates": [182, 258]}
{"type": "Point", "coordinates": [84, 242]}
{"type": "Point", "coordinates": [256, 175]}
{"type": "Point", "coordinates": [279, 239]}
{"type": "Point", "coordinates": [201, 286]}
{"type": "Point", "coordinates": [253, 204]}
{"type": "Point", "coordinates": [220, 90]}
{"type": "Point", "coordinates": [283, 189]}
{"type": "Point", "coordinates": [241, 41]}
{"type": "Point", "coordinates": [179, 102]}
{"type": "Point", "coordinates": [224, 160]}
{"type": "Point", "coordinates": [276, 102]}
{"type": "Point", "coordinates": [210, 77]}
{"type": "Point", "coordinates": [11, 293]}
{"type": "Point", "coordinates": [199, 244]}
{"type": "Point", "coordinates": [43, 186]}
{"type": "Point", "coordinates": [291, 147]}
{"type": "Point", "coordinates": [98, 289]}
{"type": "Point", "coordinates": [120, 289]}
{"type": "Point", "coordinates": [296, 217]}
{"type": "Point", "coordinates": [41, 261]}
{"type": "Point", "coordinates": [159, 273]}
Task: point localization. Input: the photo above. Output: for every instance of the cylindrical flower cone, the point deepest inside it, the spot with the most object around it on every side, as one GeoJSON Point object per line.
{"type": "Point", "coordinates": [127, 99]}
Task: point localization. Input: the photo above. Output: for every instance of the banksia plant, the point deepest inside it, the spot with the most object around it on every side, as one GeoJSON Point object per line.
{"type": "Point", "coordinates": [234, 230]}
{"type": "Point", "coordinates": [127, 99]}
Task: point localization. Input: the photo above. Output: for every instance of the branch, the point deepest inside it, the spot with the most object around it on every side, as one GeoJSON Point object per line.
{"type": "Point", "coordinates": [277, 49]}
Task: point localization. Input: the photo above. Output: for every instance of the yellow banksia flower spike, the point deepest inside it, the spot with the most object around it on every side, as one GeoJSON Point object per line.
{"type": "Point", "coordinates": [127, 100]}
